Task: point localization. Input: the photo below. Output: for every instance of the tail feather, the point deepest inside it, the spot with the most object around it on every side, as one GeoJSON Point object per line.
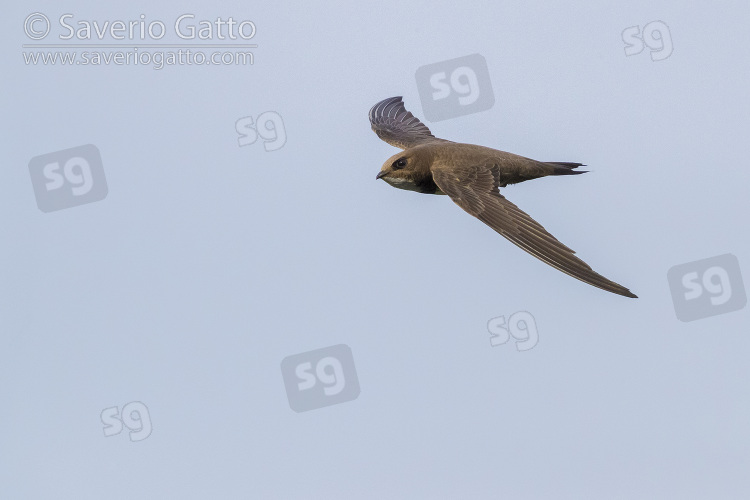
{"type": "Point", "coordinates": [566, 168]}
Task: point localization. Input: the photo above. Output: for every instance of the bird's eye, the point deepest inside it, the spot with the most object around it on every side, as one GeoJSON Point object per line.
{"type": "Point", "coordinates": [400, 163]}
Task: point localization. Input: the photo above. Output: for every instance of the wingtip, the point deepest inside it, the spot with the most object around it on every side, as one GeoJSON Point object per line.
{"type": "Point", "coordinates": [624, 292]}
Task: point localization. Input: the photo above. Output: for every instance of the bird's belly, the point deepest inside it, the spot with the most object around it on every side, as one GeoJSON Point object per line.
{"type": "Point", "coordinates": [409, 185]}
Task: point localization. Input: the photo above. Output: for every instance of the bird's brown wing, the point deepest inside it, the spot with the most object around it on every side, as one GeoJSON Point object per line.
{"type": "Point", "coordinates": [398, 127]}
{"type": "Point", "coordinates": [475, 189]}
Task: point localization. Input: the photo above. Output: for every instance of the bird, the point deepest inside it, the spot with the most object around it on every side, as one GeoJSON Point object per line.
{"type": "Point", "coordinates": [472, 176]}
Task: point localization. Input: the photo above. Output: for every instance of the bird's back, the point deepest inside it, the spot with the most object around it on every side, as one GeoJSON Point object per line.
{"type": "Point", "coordinates": [511, 168]}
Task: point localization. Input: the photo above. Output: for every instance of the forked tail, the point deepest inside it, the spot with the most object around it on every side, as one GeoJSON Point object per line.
{"type": "Point", "coordinates": [566, 168]}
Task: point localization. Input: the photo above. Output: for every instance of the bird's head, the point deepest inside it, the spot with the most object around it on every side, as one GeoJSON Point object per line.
{"type": "Point", "coordinates": [404, 169]}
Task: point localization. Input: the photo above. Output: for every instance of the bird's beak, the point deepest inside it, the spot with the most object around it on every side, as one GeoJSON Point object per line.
{"type": "Point", "coordinates": [380, 174]}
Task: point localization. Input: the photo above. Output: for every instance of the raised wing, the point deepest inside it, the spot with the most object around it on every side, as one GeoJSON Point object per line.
{"type": "Point", "coordinates": [475, 189]}
{"type": "Point", "coordinates": [398, 127]}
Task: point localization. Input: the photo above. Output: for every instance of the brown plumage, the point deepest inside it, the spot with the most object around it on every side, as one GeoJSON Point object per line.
{"type": "Point", "coordinates": [471, 176]}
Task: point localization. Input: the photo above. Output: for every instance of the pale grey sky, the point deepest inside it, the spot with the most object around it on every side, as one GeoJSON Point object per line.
{"type": "Point", "coordinates": [207, 263]}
